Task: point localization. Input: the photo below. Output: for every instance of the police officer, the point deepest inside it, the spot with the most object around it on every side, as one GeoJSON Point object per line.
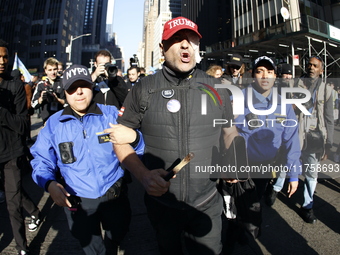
{"type": "Point", "coordinates": [272, 139]}
{"type": "Point", "coordinates": [92, 189]}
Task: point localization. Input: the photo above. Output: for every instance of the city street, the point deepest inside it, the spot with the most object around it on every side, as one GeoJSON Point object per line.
{"type": "Point", "coordinates": [283, 231]}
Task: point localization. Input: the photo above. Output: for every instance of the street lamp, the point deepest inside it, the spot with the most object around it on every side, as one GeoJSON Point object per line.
{"type": "Point", "coordinates": [69, 46]}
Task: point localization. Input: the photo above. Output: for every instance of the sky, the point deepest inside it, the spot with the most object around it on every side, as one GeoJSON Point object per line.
{"type": "Point", "coordinates": [127, 24]}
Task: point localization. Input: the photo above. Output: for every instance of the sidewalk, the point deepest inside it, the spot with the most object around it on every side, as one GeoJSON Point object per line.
{"type": "Point", "coordinates": [283, 231]}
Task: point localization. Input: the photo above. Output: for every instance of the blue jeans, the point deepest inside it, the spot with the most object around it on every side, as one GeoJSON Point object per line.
{"type": "Point", "coordinates": [279, 182]}
{"type": "Point", "coordinates": [309, 161]}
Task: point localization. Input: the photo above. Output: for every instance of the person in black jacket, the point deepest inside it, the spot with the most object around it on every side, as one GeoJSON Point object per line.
{"type": "Point", "coordinates": [133, 76]}
{"type": "Point", "coordinates": [110, 88]}
{"type": "Point", "coordinates": [167, 107]}
{"type": "Point", "coordinates": [13, 123]}
{"type": "Point", "coordinates": [49, 94]}
{"type": "Point", "coordinates": [236, 73]}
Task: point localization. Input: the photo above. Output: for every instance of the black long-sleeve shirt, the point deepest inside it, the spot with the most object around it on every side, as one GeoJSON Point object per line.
{"type": "Point", "coordinates": [13, 121]}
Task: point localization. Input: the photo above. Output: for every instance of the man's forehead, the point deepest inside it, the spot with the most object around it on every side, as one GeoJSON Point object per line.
{"type": "Point", "coordinates": [315, 61]}
{"type": "Point", "coordinates": [51, 66]}
{"type": "Point", "coordinates": [102, 58]}
{"type": "Point", "coordinates": [186, 32]}
{"type": "Point", "coordinates": [264, 64]}
{"type": "Point", "coordinates": [4, 50]}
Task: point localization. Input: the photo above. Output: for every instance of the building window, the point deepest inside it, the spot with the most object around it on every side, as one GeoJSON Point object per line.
{"type": "Point", "coordinates": [51, 42]}
{"type": "Point", "coordinates": [34, 55]}
{"type": "Point", "coordinates": [35, 43]}
{"type": "Point", "coordinates": [36, 30]}
{"type": "Point", "coordinates": [49, 54]}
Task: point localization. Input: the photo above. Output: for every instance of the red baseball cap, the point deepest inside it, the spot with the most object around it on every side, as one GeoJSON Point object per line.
{"type": "Point", "coordinates": [176, 24]}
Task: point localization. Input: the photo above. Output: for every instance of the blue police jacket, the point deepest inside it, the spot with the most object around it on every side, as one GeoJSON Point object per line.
{"type": "Point", "coordinates": [265, 134]}
{"type": "Point", "coordinates": [80, 150]}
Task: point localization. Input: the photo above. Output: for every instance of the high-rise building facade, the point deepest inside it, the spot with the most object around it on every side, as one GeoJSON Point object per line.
{"type": "Point", "coordinates": [94, 24]}
{"type": "Point", "coordinates": [172, 6]}
{"type": "Point", "coordinates": [95, 21]}
{"type": "Point", "coordinates": [38, 29]}
{"type": "Point", "coordinates": [53, 24]}
{"type": "Point", "coordinates": [286, 30]}
{"type": "Point", "coordinates": [15, 26]}
{"type": "Point", "coordinates": [157, 12]}
{"type": "Point", "coordinates": [213, 18]}
{"type": "Point", "coordinates": [150, 16]}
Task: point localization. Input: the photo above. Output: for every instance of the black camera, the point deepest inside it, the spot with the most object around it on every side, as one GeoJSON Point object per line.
{"type": "Point", "coordinates": [111, 69]}
{"type": "Point", "coordinates": [66, 152]}
{"type": "Point", "coordinates": [50, 91]}
{"type": "Point", "coordinates": [253, 121]}
{"type": "Point", "coordinates": [48, 96]}
{"type": "Point", "coordinates": [134, 61]}
{"type": "Point", "coordinates": [309, 104]}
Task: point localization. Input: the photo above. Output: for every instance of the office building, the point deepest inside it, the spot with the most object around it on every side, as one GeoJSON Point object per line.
{"type": "Point", "coordinates": [286, 30]}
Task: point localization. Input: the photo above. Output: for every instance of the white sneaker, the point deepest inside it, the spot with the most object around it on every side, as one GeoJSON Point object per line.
{"type": "Point", "coordinates": [34, 224]}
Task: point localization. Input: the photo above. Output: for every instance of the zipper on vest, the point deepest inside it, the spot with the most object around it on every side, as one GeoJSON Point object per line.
{"type": "Point", "coordinates": [183, 130]}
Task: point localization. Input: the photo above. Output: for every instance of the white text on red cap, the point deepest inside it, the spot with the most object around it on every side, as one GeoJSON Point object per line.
{"type": "Point", "coordinates": [180, 22]}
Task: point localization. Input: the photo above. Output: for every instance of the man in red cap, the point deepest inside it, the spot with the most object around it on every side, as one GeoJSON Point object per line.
{"type": "Point", "coordinates": [166, 107]}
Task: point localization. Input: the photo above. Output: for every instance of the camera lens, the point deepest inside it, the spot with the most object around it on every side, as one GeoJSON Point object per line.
{"type": "Point", "coordinates": [65, 156]}
{"type": "Point", "coordinates": [111, 69]}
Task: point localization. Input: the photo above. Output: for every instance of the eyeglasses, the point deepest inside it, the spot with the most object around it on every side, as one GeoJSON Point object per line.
{"type": "Point", "coordinates": [235, 66]}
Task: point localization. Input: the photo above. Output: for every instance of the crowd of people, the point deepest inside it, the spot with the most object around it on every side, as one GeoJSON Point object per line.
{"type": "Point", "coordinates": [99, 127]}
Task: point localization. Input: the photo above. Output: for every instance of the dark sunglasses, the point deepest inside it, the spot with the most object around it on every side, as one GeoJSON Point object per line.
{"type": "Point", "coordinates": [235, 66]}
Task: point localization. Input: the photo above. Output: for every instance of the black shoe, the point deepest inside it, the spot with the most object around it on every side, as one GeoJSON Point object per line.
{"type": "Point", "coordinates": [271, 197]}
{"type": "Point", "coordinates": [308, 215]}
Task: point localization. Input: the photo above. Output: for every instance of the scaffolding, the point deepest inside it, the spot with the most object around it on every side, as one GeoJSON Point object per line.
{"type": "Point", "coordinates": [284, 43]}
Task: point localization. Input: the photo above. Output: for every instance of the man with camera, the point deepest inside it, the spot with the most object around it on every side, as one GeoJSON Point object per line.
{"type": "Point", "coordinates": [110, 88]}
{"type": "Point", "coordinates": [73, 143]}
{"type": "Point", "coordinates": [49, 94]}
